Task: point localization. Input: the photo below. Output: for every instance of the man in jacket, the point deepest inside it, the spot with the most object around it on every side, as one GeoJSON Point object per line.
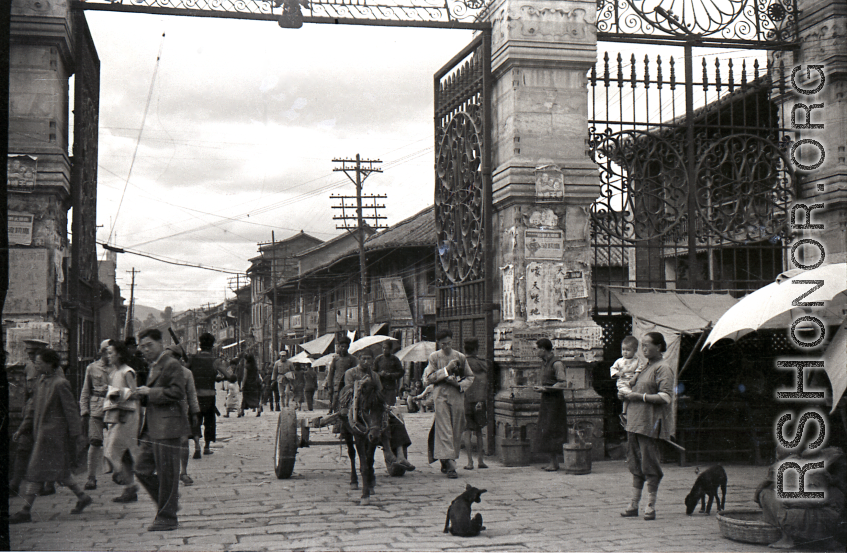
{"type": "Point", "coordinates": [97, 376]}
{"type": "Point", "coordinates": [208, 370]}
{"type": "Point", "coordinates": [281, 368]}
{"type": "Point", "coordinates": [164, 424]}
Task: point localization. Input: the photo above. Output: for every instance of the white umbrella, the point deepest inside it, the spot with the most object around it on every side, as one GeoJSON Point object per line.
{"type": "Point", "coordinates": [323, 361]}
{"type": "Point", "coordinates": [301, 357]}
{"type": "Point", "coordinates": [835, 360]}
{"type": "Point", "coordinates": [416, 352]}
{"type": "Point", "coordinates": [768, 306]}
{"type": "Point", "coordinates": [367, 342]}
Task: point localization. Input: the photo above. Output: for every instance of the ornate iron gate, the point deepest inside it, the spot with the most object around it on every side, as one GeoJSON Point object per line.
{"type": "Point", "coordinates": [695, 180]}
{"type": "Point", "coordinates": [463, 199]}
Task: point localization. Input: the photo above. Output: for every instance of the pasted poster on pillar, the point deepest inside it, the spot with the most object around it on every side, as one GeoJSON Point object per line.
{"type": "Point", "coordinates": [544, 244]}
{"type": "Point", "coordinates": [20, 228]}
{"type": "Point", "coordinates": [21, 172]}
{"type": "Point", "coordinates": [28, 282]}
{"type": "Point", "coordinates": [508, 303]}
{"type": "Point", "coordinates": [549, 183]}
{"type": "Point", "coordinates": [548, 286]}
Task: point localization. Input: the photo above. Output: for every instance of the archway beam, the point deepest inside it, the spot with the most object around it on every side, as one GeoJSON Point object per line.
{"type": "Point", "coordinates": [385, 14]}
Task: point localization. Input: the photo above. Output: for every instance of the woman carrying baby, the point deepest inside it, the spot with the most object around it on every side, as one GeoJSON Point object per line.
{"type": "Point", "coordinates": [121, 408]}
{"type": "Point", "coordinates": [648, 422]}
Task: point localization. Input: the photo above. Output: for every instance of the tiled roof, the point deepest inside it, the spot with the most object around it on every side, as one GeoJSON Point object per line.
{"type": "Point", "coordinates": [416, 231]}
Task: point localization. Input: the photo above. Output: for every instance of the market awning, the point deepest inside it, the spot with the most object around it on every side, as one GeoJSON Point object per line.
{"type": "Point", "coordinates": [233, 344]}
{"type": "Point", "coordinates": [685, 313]}
{"type": "Point", "coordinates": [376, 328]}
{"type": "Point", "coordinates": [319, 345]}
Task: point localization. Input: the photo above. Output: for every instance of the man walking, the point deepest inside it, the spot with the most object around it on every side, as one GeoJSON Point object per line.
{"type": "Point", "coordinates": [448, 371]}
{"type": "Point", "coordinates": [94, 387]}
{"type": "Point", "coordinates": [208, 370]}
{"type": "Point", "coordinates": [164, 425]}
{"type": "Point", "coordinates": [278, 379]}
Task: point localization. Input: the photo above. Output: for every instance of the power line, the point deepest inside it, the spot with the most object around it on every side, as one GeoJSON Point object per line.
{"type": "Point", "coordinates": [138, 140]}
{"type": "Point", "coordinates": [169, 261]}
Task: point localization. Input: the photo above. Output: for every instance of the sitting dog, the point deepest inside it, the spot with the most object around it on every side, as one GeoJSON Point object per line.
{"type": "Point", "coordinates": [459, 521]}
{"type": "Point", "coordinates": [707, 484]}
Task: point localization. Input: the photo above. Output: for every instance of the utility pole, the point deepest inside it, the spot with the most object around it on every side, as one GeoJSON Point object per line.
{"type": "Point", "coordinates": [275, 338]}
{"type": "Point", "coordinates": [362, 172]}
{"type": "Point", "coordinates": [129, 329]}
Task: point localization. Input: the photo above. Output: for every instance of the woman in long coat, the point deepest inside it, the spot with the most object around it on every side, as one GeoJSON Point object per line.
{"type": "Point", "coordinates": [251, 387]}
{"type": "Point", "coordinates": [51, 421]}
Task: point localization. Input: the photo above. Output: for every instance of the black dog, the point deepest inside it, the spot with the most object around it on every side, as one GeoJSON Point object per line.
{"type": "Point", "coordinates": [459, 521]}
{"type": "Point", "coordinates": [707, 484]}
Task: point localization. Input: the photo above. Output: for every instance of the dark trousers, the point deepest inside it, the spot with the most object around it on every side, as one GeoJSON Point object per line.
{"type": "Point", "coordinates": [208, 418]}
{"type": "Point", "coordinates": [642, 459]}
{"type": "Point", "coordinates": [157, 468]}
{"type": "Point", "coordinates": [310, 399]}
{"type": "Point", "coordinates": [274, 393]}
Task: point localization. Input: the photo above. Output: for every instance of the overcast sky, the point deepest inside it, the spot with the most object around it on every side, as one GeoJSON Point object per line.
{"type": "Point", "coordinates": [238, 136]}
{"type": "Point", "coordinates": [243, 122]}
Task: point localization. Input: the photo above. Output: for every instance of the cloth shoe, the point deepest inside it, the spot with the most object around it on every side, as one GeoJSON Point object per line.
{"type": "Point", "coordinates": [650, 510]}
{"type": "Point", "coordinates": [81, 504]}
{"type": "Point", "coordinates": [197, 454]}
{"type": "Point", "coordinates": [91, 484]}
{"type": "Point", "coordinates": [186, 480]}
{"type": "Point", "coordinates": [632, 511]}
{"type": "Point", "coordinates": [207, 450]}
{"type": "Point", "coordinates": [130, 494]}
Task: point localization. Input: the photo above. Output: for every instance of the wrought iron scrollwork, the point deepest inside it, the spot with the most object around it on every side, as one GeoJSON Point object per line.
{"type": "Point", "coordinates": [458, 198]}
{"type": "Point", "coordinates": [740, 20]}
{"type": "Point", "coordinates": [644, 185]}
{"type": "Point", "coordinates": [746, 188]}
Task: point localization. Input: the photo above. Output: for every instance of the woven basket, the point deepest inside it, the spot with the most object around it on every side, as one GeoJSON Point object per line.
{"type": "Point", "coordinates": [746, 525]}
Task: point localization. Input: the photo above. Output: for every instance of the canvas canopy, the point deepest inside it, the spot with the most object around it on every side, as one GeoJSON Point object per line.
{"type": "Point", "coordinates": [672, 314]}
{"type": "Point", "coordinates": [318, 345]}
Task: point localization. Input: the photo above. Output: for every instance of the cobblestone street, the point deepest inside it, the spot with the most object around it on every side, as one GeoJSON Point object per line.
{"type": "Point", "coordinates": [238, 504]}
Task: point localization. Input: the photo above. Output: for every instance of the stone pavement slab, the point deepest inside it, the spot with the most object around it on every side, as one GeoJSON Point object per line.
{"type": "Point", "coordinates": [238, 504]}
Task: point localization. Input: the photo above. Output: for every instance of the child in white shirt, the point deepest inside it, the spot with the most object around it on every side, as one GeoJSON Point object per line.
{"type": "Point", "coordinates": [625, 369]}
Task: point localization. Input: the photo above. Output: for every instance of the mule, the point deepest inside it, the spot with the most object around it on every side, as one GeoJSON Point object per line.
{"type": "Point", "coordinates": [364, 428]}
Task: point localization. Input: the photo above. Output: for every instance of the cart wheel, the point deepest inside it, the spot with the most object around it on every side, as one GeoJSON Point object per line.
{"type": "Point", "coordinates": [285, 448]}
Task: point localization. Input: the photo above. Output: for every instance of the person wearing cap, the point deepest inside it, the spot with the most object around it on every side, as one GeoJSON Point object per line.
{"type": "Point", "coordinates": [94, 388]}
{"type": "Point", "coordinates": [281, 368]}
{"type": "Point", "coordinates": [24, 448]}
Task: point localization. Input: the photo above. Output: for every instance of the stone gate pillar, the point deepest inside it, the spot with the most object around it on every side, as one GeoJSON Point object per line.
{"type": "Point", "coordinates": [39, 167]}
{"type": "Point", "coordinates": [543, 183]}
